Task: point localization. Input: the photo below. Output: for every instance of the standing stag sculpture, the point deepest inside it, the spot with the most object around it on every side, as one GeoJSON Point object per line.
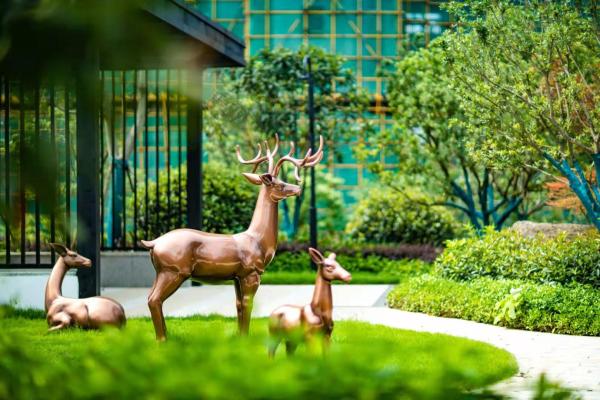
{"type": "Point", "coordinates": [243, 257]}
{"type": "Point", "coordinates": [63, 312]}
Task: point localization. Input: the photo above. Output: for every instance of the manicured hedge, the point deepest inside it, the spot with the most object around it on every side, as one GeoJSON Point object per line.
{"type": "Point", "coordinates": [395, 251]}
{"type": "Point", "coordinates": [573, 309]}
{"type": "Point", "coordinates": [507, 254]}
{"type": "Point", "coordinates": [300, 261]}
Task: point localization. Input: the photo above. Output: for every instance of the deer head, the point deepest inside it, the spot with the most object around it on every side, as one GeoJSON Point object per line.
{"type": "Point", "coordinates": [329, 268]}
{"type": "Point", "coordinates": [72, 259]}
{"type": "Point", "coordinates": [278, 189]}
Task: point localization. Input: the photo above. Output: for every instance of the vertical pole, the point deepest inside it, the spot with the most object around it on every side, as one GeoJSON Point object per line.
{"type": "Point", "coordinates": [194, 150]}
{"type": "Point", "coordinates": [311, 134]}
{"type": "Point", "coordinates": [88, 168]}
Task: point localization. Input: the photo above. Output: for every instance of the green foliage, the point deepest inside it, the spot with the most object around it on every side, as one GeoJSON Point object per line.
{"type": "Point", "coordinates": [296, 262]}
{"type": "Point", "coordinates": [528, 81]}
{"type": "Point", "coordinates": [506, 309]}
{"type": "Point", "coordinates": [572, 309]}
{"type": "Point", "coordinates": [507, 254]}
{"type": "Point", "coordinates": [204, 358]}
{"type": "Point", "coordinates": [228, 202]}
{"type": "Point", "coordinates": [386, 216]}
{"type": "Point", "coordinates": [269, 95]}
{"type": "Point", "coordinates": [435, 151]}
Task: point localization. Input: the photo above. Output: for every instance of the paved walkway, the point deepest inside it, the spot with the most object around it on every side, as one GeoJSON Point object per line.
{"type": "Point", "coordinates": [572, 360]}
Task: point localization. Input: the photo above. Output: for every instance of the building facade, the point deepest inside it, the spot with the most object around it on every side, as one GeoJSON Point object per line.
{"type": "Point", "coordinates": [365, 32]}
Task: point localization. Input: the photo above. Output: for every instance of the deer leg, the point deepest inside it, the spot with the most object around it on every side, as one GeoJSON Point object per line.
{"type": "Point", "coordinates": [290, 347]}
{"type": "Point", "coordinates": [166, 283]}
{"type": "Point", "coordinates": [249, 286]}
{"type": "Point", "coordinates": [238, 301]}
{"type": "Point", "coordinates": [273, 344]}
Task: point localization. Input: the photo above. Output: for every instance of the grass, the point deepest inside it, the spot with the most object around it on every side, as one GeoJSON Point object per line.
{"type": "Point", "coordinates": [205, 358]}
{"type": "Point", "coordinates": [572, 309]}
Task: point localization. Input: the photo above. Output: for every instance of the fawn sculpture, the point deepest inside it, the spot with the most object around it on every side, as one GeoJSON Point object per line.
{"type": "Point", "coordinates": [243, 257]}
{"type": "Point", "coordinates": [292, 324]}
{"type": "Point", "coordinates": [89, 313]}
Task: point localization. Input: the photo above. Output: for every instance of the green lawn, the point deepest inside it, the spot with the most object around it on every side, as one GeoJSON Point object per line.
{"type": "Point", "coordinates": [205, 358]}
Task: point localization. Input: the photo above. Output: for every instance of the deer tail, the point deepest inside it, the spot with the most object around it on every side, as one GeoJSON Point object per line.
{"type": "Point", "coordinates": [148, 244]}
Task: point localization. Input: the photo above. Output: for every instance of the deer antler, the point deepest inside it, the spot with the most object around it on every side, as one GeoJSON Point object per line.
{"type": "Point", "coordinates": [259, 159]}
{"type": "Point", "coordinates": [309, 159]}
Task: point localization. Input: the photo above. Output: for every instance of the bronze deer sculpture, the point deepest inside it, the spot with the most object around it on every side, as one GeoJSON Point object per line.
{"type": "Point", "coordinates": [89, 313]}
{"type": "Point", "coordinates": [293, 324]}
{"type": "Point", "coordinates": [187, 253]}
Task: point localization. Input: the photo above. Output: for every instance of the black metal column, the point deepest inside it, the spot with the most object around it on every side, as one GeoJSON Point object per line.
{"type": "Point", "coordinates": [311, 137]}
{"type": "Point", "coordinates": [88, 172]}
{"type": "Point", "coordinates": [194, 150]}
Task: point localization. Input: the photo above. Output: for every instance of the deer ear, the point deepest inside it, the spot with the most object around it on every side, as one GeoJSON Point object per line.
{"type": "Point", "coordinates": [331, 256]}
{"type": "Point", "coordinates": [59, 248]}
{"type": "Point", "coordinates": [316, 255]}
{"type": "Point", "coordinates": [267, 179]}
{"type": "Point", "coordinates": [252, 178]}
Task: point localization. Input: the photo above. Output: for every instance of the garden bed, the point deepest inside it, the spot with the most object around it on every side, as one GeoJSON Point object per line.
{"type": "Point", "coordinates": [205, 358]}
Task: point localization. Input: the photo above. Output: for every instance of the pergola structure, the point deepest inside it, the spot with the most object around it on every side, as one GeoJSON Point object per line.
{"type": "Point", "coordinates": [194, 43]}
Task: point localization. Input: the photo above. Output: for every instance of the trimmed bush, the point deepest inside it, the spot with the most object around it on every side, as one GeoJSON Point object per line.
{"type": "Point", "coordinates": [507, 254]}
{"type": "Point", "coordinates": [386, 216]}
{"type": "Point", "coordinates": [298, 262]}
{"type": "Point", "coordinates": [572, 309]}
{"type": "Point", "coordinates": [229, 202]}
{"type": "Point", "coordinates": [423, 252]}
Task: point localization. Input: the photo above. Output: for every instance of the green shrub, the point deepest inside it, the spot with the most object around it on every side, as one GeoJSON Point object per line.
{"type": "Point", "coordinates": [205, 359]}
{"type": "Point", "coordinates": [300, 261]}
{"type": "Point", "coordinates": [229, 202]}
{"type": "Point", "coordinates": [572, 309]}
{"type": "Point", "coordinates": [386, 216]}
{"type": "Point", "coordinates": [507, 254]}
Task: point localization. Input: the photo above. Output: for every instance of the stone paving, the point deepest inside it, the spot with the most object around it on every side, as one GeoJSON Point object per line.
{"type": "Point", "coordinates": [572, 360]}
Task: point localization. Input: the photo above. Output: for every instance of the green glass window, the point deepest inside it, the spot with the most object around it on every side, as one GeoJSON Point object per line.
{"type": "Point", "coordinates": [286, 23]}
{"type": "Point", "coordinates": [414, 10]}
{"type": "Point", "coordinates": [369, 5]}
{"type": "Point", "coordinates": [351, 64]}
{"type": "Point", "coordinates": [286, 4]}
{"type": "Point", "coordinates": [369, 24]}
{"type": "Point", "coordinates": [288, 43]}
{"type": "Point", "coordinates": [370, 86]}
{"type": "Point", "coordinates": [346, 5]}
{"type": "Point", "coordinates": [389, 22]}
{"type": "Point", "coordinates": [345, 46]}
{"type": "Point", "coordinates": [344, 154]}
{"type": "Point", "coordinates": [257, 24]}
{"type": "Point", "coordinates": [318, 4]}
{"type": "Point", "coordinates": [205, 7]}
{"type": "Point", "coordinates": [256, 45]}
{"type": "Point", "coordinates": [389, 5]}
{"type": "Point", "coordinates": [346, 24]}
{"type": "Point", "coordinates": [369, 67]}
{"type": "Point", "coordinates": [319, 23]}
{"type": "Point", "coordinates": [369, 47]}
{"type": "Point", "coordinates": [258, 5]}
{"type": "Point", "coordinates": [323, 43]}
{"type": "Point", "coordinates": [349, 175]}
{"type": "Point", "coordinates": [388, 47]}
{"type": "Point", "coordinates": [230, 10]}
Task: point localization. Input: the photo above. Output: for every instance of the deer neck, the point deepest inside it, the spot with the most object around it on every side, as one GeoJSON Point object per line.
{"type": "Point", "coordinates": [322, 302]}
{"type": "Point", "coordinates": [53, 287]}
{"type": "Point", "coordinates": [264, 224]}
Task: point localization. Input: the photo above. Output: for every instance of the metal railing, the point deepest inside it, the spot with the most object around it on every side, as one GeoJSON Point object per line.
{"type": "Point", "coordinates": [143, 148]}
{"type": "Point", "coordinates": [37, 171]}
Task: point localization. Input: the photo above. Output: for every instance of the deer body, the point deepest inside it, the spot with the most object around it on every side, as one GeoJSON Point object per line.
{"type": "Point", "coordinates": [293, 323]}
{"type": "Point", "coordinates": [89, 313]}
{"type": "Point", "coordinates": [187, 253]}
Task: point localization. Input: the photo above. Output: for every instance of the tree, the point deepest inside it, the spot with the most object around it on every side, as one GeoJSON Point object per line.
{"type": "Point", "coordinates": [428, 144]}
{"type": "Point", "coordinates": [269, 96]}
{"type": "Point", "coordinates": [529, 74]}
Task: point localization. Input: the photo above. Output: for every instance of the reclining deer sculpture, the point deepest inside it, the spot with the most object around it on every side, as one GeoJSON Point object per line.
{"type": "Point", "coordinates": [243, 257]}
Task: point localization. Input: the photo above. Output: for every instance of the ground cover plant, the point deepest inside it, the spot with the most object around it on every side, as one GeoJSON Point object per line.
{"type": "Point", "coordinates": [572, 309]}
{"type": "Point", "coordinates": [205, 358]}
